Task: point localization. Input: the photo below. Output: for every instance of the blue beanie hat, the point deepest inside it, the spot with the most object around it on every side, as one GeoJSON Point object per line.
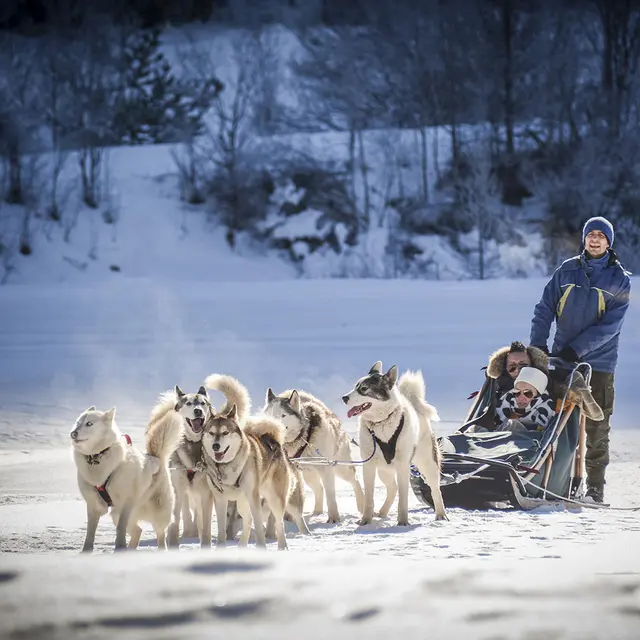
{"type": "Point", "coordinates": [598, 224]}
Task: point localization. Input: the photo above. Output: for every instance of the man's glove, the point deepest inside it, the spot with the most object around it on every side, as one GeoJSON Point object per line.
{"type": "Point", "coordinates": [542, 347]}
{"type": "Point", "coordinates": [567, 354]}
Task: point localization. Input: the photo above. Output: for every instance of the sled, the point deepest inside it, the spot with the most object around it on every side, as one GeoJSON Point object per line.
{"type": "Point", "coordinates": [494, 469]}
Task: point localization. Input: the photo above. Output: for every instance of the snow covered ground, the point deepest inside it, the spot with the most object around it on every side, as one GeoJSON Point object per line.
{"type": "Point", "coordinates": [550, 573]}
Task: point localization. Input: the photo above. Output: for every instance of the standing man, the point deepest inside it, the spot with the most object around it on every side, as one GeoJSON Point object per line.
{"type": "Point", "coordinates": [588, 297]}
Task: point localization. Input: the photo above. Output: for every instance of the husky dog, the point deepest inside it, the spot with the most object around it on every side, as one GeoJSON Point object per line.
{"type": "Point", "coordinates": [311, 427]}
{"type": "Point", "coordinates": [188, 483]}
{"type": "Point", "coordinates": [112, 473]}
{"type": "Point", "coordinates": [396, 420]}
{"type": "Point", "coordinates": [244, 461]}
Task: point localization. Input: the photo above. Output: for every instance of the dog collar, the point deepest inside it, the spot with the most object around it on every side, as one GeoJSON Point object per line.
{"type": "Point", "coordinates": [94, 458]}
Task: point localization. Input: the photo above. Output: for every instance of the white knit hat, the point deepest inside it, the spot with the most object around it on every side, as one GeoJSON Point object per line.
{"type": "Point", "coordinates": [534, 377]}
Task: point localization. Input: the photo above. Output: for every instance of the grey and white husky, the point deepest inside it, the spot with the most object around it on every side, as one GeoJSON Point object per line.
{"type": "Point", "coordinates": [395, 418]}
{"type": "Point", "coordinates": [312, 429]}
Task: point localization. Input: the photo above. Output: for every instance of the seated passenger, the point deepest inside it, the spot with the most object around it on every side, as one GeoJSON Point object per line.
{"type": "Point", "coordinates": [528, 406]}
{"type": "Point", "coordinates": [505, 363]}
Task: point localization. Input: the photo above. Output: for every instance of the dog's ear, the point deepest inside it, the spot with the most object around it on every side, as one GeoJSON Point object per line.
{"type": "Point", "coordinates": [270, 395]}
{"type": "Point", "coordinates": [377, 368]}
{"type": "Point", "coordinates": [391, 376]}
{"type": "Point", "coordinates": [202, 392]}
{"type": "Point", "coordinates": [295, 402]}
{"type": "Point", "coordinates": [110, 415]}
{"type": "Point", "coordinates": [232, 412]}
{"type": "Point", "coordinates": [91, 408]}
{"type": "Point", "coordinates": [179, 392]}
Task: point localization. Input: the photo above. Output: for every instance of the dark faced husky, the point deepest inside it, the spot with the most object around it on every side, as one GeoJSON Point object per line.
{"type": "Point", "coordinates": [312, 429]}
{"type": "Point", "coordinates": [394, 414]}
{"type": "Point", "coordinates": [244, 463]}
{"type": "Point", "coordinates": [188, 483]}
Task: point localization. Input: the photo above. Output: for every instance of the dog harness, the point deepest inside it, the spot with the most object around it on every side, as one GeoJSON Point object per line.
{"type": "Point", "coordinates": [306, 441]}
{"type": "Point", "coordinates": [389, 448]}
{"type": "Point", "coordinates": [102, 489]}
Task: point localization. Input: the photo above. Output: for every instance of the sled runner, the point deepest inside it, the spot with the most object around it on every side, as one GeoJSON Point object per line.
{"type": "Point", "coordinates": [483, 470]}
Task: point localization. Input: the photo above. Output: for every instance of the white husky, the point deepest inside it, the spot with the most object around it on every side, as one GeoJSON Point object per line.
{"type": "Point", "coordinates": [396, 420]}
{"type": "Point", "coordinates": [113, 473]}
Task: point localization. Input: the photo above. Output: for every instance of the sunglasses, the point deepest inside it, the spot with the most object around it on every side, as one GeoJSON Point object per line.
{"type": "Point", "coordinates": [516, 366]}
{"type": "Point", "coordinates": [527, 393]}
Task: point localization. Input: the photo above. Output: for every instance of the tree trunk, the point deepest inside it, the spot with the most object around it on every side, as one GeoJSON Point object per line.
{"type": "Point", "coordinates": [480, 252]}
{"type": "Point", "coordinates": [364, 170]}
{"type": "Point", "coordinates": [424, 164]}
{"type": "Point", "coordinates": [352, 162]}
{"type": "Point", "coordinates": [435, 151]}
{"type": "Point", "coordinates": [89, 160]}
{"type": "Point", "coordinates": [507, 25]}
{"type": "Point", "coordinates": [455, 151]}
{"type": "Point", "coordinates": [15, 194]}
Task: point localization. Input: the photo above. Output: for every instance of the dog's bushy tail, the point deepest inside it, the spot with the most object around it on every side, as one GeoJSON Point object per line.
{"type": "Point", "coordinates": [165, 405]}
{"type": "Point", "coordinates": [165, 429]}
{"type": "Point", "coordinates": [234, 391]}
{"type": "Point", "coordinates": [260, 426]}
{"type": "Point", "coordinates": [412, 387]}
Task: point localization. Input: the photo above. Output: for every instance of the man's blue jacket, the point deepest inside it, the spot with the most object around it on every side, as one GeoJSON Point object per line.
{"type": "Point", "coordinates": [588, 310]}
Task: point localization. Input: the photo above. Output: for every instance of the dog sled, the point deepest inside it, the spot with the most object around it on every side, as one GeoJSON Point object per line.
{"type": "Point", "coordinates": [488, 469]}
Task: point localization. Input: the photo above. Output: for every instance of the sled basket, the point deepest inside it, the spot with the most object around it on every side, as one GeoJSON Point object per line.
{"type": "Point", "coordinates": [488, 469]}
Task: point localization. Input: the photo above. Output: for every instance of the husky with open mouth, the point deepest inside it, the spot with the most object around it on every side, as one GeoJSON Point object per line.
{"type": "Point", "coordinates": [395, 419]}
{"type": "Point", "coordinates": [192, 409]}
{"type": "Point", "coordinates": [245, 461]}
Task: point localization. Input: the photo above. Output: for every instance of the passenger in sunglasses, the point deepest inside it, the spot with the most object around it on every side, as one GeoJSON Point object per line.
{"type": "Point", "coordinates": [506, 363]}
{"type": "Point", "coordinates": [528, 406]}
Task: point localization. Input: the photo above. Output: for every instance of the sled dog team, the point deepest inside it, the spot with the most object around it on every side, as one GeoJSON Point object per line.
{"type": "Point", "coordinates": [199, 458]}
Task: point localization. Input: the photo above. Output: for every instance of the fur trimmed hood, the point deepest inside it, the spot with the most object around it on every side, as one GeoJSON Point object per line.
{"type": "Point", "coordinates": [497, 360]}
{"type": "Point", "coordinates": [579, 393]}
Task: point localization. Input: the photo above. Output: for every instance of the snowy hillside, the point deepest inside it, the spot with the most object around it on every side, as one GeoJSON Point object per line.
{"type": "Point", "coordinates": [154, 235]}
{"type": "Point", "coordinates": [142, 219]}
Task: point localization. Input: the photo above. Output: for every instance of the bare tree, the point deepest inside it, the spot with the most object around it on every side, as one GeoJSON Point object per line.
{"type": "Point", "coordinates": [94, 85]}
{"type": "Point", "coordinates": [343, 87]}
{"type": "Point", "coordinates": [511, 31]}
{"type": "Point", "coordinates": [18, 109]}
{"type": "Point", "coordinates": [620, 50]}
{"type": "Point", "coordinates": [56, 103]}
{"type": "Point", "coordinates": [225, 145]}
{"type": "Point", "coordinates": [477, 197]}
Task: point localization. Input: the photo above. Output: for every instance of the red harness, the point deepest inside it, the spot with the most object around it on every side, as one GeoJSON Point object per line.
{"type": "Point", "coordinates": [102, 489]}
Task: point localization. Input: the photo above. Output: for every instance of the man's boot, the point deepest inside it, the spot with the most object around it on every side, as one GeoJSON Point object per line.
{"type": "Point", "coordinates": [595, 492]}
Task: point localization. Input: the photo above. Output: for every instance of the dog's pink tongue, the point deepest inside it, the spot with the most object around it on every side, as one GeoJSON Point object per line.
{"type": "Point", "coordinates": [353, 411]}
